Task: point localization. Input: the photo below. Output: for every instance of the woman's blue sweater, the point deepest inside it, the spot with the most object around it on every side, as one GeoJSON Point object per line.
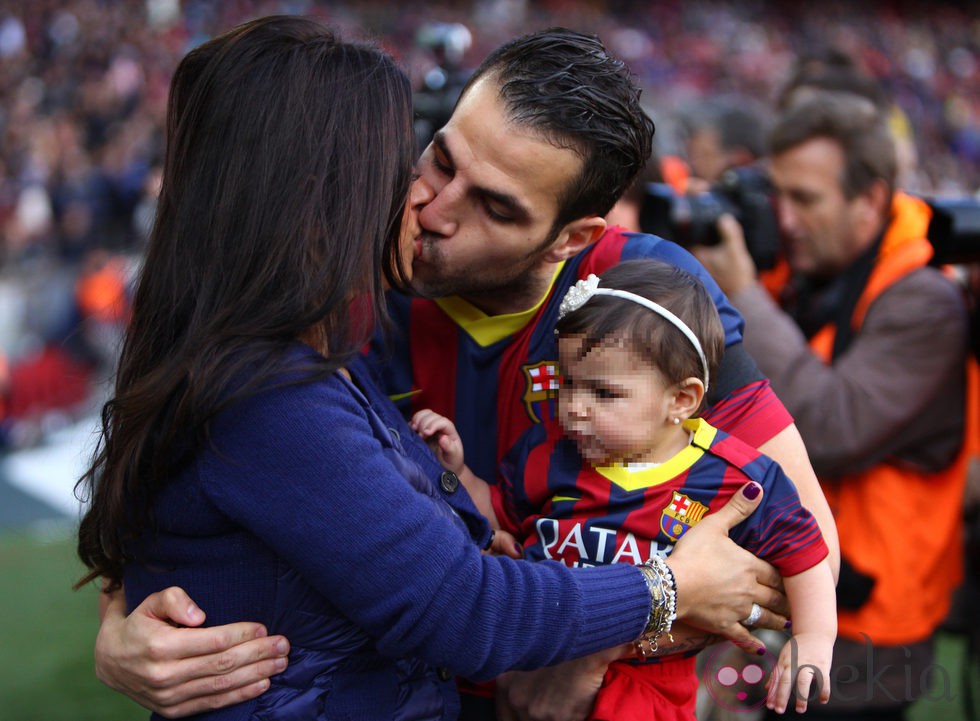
{"type": "Point", "coordinates": [316, 511]}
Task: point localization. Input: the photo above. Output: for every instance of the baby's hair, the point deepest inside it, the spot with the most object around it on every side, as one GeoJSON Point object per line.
{"type": "Point", "coordinates": [606, 320]}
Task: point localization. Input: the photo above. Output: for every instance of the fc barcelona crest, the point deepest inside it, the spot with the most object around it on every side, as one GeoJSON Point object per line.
{"type": "Point", "coordinates": [680, 514]}
{"type": "Point", "coordinates": [541, 384]}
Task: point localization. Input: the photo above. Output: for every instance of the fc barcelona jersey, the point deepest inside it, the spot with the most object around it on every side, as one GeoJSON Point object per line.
{"type": "Point", "coordinates": [565, 509]}
{"type": "Point", "coordinates": [496, 376]}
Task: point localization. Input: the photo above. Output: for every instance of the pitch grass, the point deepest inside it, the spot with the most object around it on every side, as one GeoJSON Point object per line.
{"type": "Point", "coordinates": [47, 633]}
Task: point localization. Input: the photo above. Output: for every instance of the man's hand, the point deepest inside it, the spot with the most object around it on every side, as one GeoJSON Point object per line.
{"type": "Point", "coordinates": [178, 671]}
{"type": "Point", "coordinates": [717, 581]}
{"type": "Point", "coordinates": [565, 692]}
{"type": "Point", "coordinates": [729, 262]}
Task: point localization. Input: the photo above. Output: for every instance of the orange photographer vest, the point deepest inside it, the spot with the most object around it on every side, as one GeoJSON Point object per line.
{"type": "Point", "coordinates": [900, 526]}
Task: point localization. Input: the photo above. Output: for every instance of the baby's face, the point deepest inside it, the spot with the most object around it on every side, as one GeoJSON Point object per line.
{"type": "Point", "coordinates": [613, 404]}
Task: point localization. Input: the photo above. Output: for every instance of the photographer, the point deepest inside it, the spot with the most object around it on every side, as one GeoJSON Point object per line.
{"type": "Point", "coordinates": [866, 345]}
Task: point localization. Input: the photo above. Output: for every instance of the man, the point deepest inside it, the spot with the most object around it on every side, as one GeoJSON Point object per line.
{"type": "Point", "coordinates": [866, 345]}
{"type": "Point", "coordinates": [545, 137]}
{"type": "Point", "coordinates": [722, 135]}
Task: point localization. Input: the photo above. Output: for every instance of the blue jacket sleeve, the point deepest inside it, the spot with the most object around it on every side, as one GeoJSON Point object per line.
{"type": "Point", "coordinates": [302, 468]}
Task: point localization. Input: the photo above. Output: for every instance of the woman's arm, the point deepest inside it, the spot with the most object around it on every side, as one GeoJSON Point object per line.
{"type": "Point", "coordinates": [181, 671]}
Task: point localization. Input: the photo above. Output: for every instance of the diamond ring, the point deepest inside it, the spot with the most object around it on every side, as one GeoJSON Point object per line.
{"type": "Point", "coordinates": [754, 615]}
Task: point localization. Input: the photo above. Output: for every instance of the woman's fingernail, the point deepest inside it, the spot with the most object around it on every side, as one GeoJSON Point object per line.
{"type": "Point", "coordinates": [751, 491]}
{"type": "Point", "coordinates": [517, 547]}
{"type": "Point", "coordinates": [760, 652]}
{"type": "Point", "coordinates": [789, 624]}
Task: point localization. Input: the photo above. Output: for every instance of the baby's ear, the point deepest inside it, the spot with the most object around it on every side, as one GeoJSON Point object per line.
{"type": "Point", "coordinates": [687, 398]}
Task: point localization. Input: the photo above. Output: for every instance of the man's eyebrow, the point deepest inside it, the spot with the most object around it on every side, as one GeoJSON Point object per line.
{"type": "Point", "coordinates": [518, 211]}
{"type": "Point", "coordinates": [439, 140]}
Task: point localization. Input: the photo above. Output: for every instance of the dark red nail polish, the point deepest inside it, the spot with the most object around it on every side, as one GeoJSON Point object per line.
{"type": "Point", "coordinates": [751, 491]}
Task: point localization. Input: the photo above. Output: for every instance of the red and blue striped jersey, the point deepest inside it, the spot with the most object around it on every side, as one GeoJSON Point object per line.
{"type": "Point", "coordinates": [565, 509]}
{"type": "Point", "coordinates": [496, 376]}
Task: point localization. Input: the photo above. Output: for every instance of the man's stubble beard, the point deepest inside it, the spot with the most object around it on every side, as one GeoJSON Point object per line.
{"type": "Point", "coordinates": [484, 286]}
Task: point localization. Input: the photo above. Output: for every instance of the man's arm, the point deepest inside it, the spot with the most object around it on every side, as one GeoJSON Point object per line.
{"type": "Point", "coordinates": [156, 658]}
{"type": "Point", "coordinates": [788, 450]}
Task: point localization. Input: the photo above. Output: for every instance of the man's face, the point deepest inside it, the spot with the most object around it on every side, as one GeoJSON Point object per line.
{"type": "Point", "coordinates": [708, 159]}
{"type": "Point", "coordinates": [820, 224]}
{"type": "Point", "coordinates": [496, 186]}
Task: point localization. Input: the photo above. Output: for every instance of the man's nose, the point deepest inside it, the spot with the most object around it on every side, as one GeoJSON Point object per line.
{"type": "Point", "coordinates": [439, 216]}
{"type": "Point", "coordinates": [420, 193]}
{"type": "Point", "coordinates": [787, 218]}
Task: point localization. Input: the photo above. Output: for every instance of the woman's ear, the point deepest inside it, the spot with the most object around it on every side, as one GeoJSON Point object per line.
{"type": "Point", "coordinates": [687, 397]}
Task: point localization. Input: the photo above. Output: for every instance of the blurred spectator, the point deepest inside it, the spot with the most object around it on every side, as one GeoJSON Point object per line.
{"type": "Point", "coordinates": [831, 69]}
{"type": "Point", "coordinates": [83, 87]}
{"type": "Point", "coordinates": [866, 345]}
{"type": "Point", "coordinates": [723, 134]}
{"type": "Point", "coordinates": [443, 81]}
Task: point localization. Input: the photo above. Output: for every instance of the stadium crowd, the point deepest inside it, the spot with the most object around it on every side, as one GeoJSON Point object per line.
{"type": "Point", "coordinates": [83, 86]}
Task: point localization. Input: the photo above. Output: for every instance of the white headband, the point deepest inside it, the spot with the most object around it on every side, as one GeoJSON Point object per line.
{"type": "Point", "coordinates": [579, 294]}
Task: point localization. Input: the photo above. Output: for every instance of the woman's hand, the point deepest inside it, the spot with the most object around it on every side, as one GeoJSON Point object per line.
{"type": "Point", "coordinates": [150, 657]}
{"type": "Point", "coordinates": [717, 581]}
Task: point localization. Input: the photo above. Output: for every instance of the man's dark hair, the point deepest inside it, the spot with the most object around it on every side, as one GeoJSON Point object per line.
{"type": "Point", "coordinates": [563, 85]}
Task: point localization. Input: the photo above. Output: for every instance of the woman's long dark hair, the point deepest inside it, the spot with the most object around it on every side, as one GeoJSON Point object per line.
{"type": "Point", "coordinates": [289, 158]}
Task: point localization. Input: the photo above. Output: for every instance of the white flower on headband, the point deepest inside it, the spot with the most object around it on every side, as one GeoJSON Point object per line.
{"type": "Point", "coordinates": [578, 295]}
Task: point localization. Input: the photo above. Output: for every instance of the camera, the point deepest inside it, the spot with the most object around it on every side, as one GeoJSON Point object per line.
{"type": "Point", "coordinates": [954, 230]}
{"type": "Point", "coordinates": [746, 193]}
{"type": "Point", "coordinates": [691, 219]}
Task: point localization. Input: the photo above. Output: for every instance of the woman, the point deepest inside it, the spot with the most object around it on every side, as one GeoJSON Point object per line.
{"type": "Point", "coordinates": [246, 455]}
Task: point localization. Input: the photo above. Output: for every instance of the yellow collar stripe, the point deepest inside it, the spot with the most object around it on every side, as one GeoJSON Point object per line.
{"type": "Point", "coordinates": [648, 477]}
{"type": "Point", "coordinates": [488, 329]}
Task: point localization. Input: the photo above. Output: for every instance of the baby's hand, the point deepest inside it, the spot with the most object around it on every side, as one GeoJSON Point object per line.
{"type": "Point", "coordinates": [504, 544]}
{"type": "Point", "coordinates": [809, 656]}
{"type": "Point", "coordinates": [440, 433]}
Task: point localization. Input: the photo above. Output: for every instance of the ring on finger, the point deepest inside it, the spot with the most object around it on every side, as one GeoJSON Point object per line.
{"type": "Point", "coordinates": [754, 615]}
